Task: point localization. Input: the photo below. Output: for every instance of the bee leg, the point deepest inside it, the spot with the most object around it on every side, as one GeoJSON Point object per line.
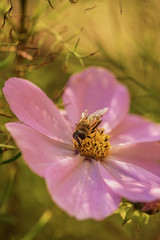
{"type": "Point", "coordinates": [88, 137]}
{"type": "Point", "coordinates": [101, 132]}
{"type": "Point", "coordinates": [96, 125]}
{"type": "Point", "coordinates": [76, 137]}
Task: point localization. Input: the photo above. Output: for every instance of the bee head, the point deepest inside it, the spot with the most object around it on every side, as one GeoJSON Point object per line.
{"type": "Point", "coordinates": [77, 135]}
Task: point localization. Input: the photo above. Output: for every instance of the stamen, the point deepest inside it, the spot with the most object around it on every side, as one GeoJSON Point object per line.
{"type": "Point", "coordinates": [95, 145]}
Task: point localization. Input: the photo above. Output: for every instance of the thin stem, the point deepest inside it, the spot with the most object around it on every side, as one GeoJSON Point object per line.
{"type": "Point", "coordinates": [23, 4]}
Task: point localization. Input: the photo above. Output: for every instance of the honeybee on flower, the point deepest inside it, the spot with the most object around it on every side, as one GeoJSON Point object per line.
{"type": "Point", "coordinates": [87, 172]}
{"type": "Point", "coordinates": [88, 139]}
{"type": "Point", "coordinates": [88, 124]}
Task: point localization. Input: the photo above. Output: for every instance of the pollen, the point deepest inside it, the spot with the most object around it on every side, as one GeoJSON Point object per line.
{"type": "Point", "coordinates": [95, 145]}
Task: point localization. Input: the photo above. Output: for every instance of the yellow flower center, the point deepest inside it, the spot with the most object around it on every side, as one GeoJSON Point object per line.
{"type": "Point", "coordinates": [95, 145]}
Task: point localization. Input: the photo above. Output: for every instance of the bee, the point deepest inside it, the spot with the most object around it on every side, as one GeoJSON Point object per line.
{"type": "Point", "coordinates": [88, 124]}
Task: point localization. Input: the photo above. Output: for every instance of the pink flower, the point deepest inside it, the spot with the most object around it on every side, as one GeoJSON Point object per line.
{"type": "Point", "coordinates": [82, 186]}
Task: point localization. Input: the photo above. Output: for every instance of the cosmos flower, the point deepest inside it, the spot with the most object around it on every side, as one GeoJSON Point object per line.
{"type": "Point", "coordinates": [89, 174]}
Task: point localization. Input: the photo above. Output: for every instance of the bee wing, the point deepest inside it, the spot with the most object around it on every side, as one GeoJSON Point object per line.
{"type": "Point", "coordinates": [97, 115]}
{"type": "Point", "coordinates": [84, 115]}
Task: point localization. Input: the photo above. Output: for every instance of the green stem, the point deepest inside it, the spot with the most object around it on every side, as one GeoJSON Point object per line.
{"type": "Point", "coordinates": [23, 13]}
{"type": "Point", "coordinates": [7, 146]}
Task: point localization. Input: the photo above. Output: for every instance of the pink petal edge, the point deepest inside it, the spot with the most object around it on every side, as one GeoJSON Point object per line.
{"type": "Point", "coordinates": [94, 89]}
{"type": "Point", "coordinates": [38, 150]}
{"type": "Point", "coordinates": [76, 186]}
{"type": "Point", "coordinates": [145, 155]}
{"type": "Point", "coordinates": [32, 106]}
{"type": "Point", "coordinates": [129, 181]}
{"type": "Point", "coordinates": [135, 129]}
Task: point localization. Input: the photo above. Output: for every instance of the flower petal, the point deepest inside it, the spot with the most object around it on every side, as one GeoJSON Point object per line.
{"type": "Point", "coordinates": [132, 182]}
{"type": "Point", "coordinates": [38, 150]}
{"type": "Point", "coordinates": [94, 89]}
{"type": "Point", "coordinates": [31, 105]}
{"type": "Point", "coordinates": [145, 155]}
{"type": "Point", "coordinates": [77, 187]}
{"type": "Point", "coordinates": [135, 129]}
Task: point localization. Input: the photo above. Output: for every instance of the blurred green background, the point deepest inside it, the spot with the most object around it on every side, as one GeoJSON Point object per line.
{"type": "Point", "coordinates": [45, 42]}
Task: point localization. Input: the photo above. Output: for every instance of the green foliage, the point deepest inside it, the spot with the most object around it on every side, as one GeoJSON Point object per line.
{"type": "Point", "coordinates": [39, 225]}
{"type": "Point", "coordinates": [7, 61]}
{"type": "Point", "coordinates": [11, 159]}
